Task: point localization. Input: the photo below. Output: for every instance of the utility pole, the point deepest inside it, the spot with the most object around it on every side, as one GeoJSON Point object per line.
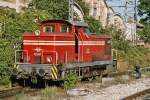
{"type": "Point", "coordinates": [71, 12]}
{"type": "Point", "coordinates": [131, 15]}
{"type": "Point", "coordinates": [135, 19]}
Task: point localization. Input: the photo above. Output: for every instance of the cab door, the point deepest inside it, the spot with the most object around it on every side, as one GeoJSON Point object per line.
{"type": "Point", "coordinates": [78, 45]}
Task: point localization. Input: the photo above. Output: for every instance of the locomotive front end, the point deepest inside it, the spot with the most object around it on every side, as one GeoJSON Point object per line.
{"type": "Point", "coordinates": [38, 56]}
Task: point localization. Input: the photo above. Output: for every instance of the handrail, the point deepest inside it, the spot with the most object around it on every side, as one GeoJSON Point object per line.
{"type": "Point", "coordinates": [16, 54]}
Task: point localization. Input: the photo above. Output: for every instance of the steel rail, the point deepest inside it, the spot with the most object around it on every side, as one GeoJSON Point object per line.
{"type": "Point", "coordinates": [10, 92]}
{"type": "Point", "coordinates": [14, 91]}
{"type": "Point", "coordinates": [138, 94]}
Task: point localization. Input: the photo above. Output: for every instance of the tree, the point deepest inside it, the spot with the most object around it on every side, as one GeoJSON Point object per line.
{"type": "Point", "coordinates": [94, 25]}
{"type": "Point", "coordinates": [57, 9]}
{"type": "Point", "coordinates": [84, 6]}
{"type": "Point", "coordinates": [144, 10]}
{"type": "Point", "coordinates": [13, 25]}
{"type": "Point", "coordinates": [145, 33]}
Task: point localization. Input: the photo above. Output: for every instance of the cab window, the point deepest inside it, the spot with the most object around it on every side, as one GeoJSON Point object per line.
{"type": "Point", "coordinates": [69, 28]}
{"type": "Point", "coordinates": [65, 28]}
{"type": "Point", "coordinates": [50, 28]}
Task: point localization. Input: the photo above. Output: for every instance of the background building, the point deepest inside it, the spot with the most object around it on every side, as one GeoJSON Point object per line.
{"type": "Point", "coordinates": [15, 4]}
{"type": "Point", "coordinates": [98, 10]}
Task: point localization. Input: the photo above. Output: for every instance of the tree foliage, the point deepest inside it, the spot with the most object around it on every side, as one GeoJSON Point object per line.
{"type": "Point", "coordinates": [13, 25]}
{"type": "Point", "coordinates": [57, 9]}
{"type": "Point", "coordinates": [84, 6]}
{"type": "Point", "coordinates": [145, 33]}
{"type": "Point", "coordinates": [144, 10]}
{"type": "Point", "coordinates": [94, 25]}
{"type": "Point", "coordinates": [130, 54]}
{"type": "Point", "coordinates": [71, 80]}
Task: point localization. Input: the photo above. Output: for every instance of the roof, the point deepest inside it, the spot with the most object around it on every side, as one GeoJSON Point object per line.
{"type": "Point", "coordinates": [75, 23]}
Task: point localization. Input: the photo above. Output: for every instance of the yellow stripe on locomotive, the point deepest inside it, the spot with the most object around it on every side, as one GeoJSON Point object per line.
{"type": "Point", "coordinates": [54, 72]}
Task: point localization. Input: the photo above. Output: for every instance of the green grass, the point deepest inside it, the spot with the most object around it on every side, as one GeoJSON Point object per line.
{"type": "Point", "coordinates": [130, 54]}
{"type": "Point", "coordinates": [49, 92]}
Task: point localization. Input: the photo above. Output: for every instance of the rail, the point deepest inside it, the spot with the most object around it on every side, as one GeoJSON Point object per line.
{"type": "Point", "coordinates": [138, 94]}
{"type": "Point", "coordinates": [14, 91]}
{"type": "Point", "coordinates": [146, 69]}
{"type": "Point", "coordinates": [10, 92]}
{"type": "Point", "coordinates": [129, 72]}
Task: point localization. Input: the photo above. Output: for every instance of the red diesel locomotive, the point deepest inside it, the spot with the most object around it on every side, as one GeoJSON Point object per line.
{"type": "Point", "coordinates": [61, 47]}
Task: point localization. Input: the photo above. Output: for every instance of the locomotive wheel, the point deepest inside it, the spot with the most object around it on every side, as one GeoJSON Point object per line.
{"type": "Point", "coordinates": [45, 83]}
{"type": "Point", "coordinates": [90, 79]}
{"type": "Point", "coordinates": [34, 80]}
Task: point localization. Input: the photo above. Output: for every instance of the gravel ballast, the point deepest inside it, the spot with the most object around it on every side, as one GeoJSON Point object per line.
{"type": "Point", "coordinates": [117, 92]}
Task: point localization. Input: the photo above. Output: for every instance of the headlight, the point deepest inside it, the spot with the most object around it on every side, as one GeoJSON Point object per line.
{"type": "Point", "coordinates": [49, 59]}
{"type": "Point", "coordinates": [37, 32]}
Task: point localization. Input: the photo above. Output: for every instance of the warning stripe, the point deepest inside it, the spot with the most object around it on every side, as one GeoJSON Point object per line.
{"type": "Point", "coordinates": [55, 69]}
{"type": "Point", "coordinates": [52, 76]}
{"type": "Point", "coordinates": [54, 72]}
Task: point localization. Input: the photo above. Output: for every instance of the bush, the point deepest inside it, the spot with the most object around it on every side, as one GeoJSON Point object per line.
{"type": "Point", "coordinates": [71, 81]}
{"type": "Point", "coordinates": [13, 26]}
{"type": "Point", "coordinates": [129, 53]}
{"type": "Point", "coordinates": [94, 25]}
{"type": "Point", "coordinates": [49, 92]}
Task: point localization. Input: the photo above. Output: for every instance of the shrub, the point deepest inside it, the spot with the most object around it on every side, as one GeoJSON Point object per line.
{"type": "Point", "coordinates": [71, 81]}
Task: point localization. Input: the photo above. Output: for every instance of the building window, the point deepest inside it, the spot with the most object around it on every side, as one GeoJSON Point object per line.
{"type": "Point", "coordinates": [94, 12]}
{"type": "Point", "coordinates": [95, 9]}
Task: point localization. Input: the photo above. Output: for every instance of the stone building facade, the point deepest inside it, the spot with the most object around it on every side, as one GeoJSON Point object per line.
{"type": "Point", "coordinates": [105, 14]}
{"type": "Point", "coordinates": [98, 9]}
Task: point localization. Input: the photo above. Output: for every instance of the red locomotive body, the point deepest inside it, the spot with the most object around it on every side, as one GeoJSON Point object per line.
{"type": "Point", "coordinates": [61, 46]}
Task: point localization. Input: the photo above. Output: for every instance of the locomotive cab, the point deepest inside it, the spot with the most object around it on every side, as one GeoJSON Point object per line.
{"type": "Point", "coordinates": [53, 27]}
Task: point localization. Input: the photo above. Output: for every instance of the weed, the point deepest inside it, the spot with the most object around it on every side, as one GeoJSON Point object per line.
{"type": "Point", "coordinates": [21, 97]}
{"type": "Point", "coordinates": [71, 81]}
{"type": "Point", "coordinates": [49, 93]}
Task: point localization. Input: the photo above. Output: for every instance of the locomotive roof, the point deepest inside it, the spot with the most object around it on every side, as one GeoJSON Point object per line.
{"type": "Point", "coordinates": [75, 23]}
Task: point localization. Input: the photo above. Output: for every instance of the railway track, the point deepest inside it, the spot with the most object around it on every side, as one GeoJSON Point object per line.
{"type": "Point", "coordinates": [136, 95]}
{"type": "Point", "coordinates": [146, 69]}
{"type": "Point", "coordinates": [10, 92]}
{"type": "Point", "coordinates": [14, 91]}
{"type": "Point", "coordinates": [17, 90]}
